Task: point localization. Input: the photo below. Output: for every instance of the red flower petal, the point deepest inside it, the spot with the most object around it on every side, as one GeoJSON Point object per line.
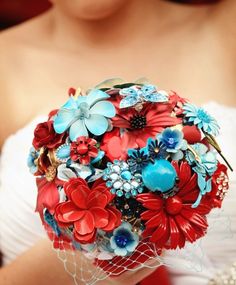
{"type": "Point", "coordinates": [93, 152]}
{"type": "Point", "coordinates": [69, 213]}
{"type": "Point", "coordinates": [150, 201]}
{"type": "Point", "coordinates": [146, 197]}
{"type": "Point", "coordinates": [129, 140]}
{"type": "Point", "coordinates": [148, 214]}
{"type": "Point", "coordinates": [88, 238]}
{"type": "Point", "coordinates": [174, 234]}
{"type": "Point", "coordinates": [80, 197]}
{"type": "Point", "coordinates": [191, 134]}
{"type": "Point", "coordinates": [97, 199]}
{"type": "Point", "coordinates": [186, 228]}
{"type": "Point", "coordinates": [156, 220]}
{"type": "Point", "coordinates": [85, 225]}
{"type": "Point", "coordinates": [48, 195]}
{"type": "Point", "coordinates": [100, 217]}
{"type": "Point", "coordinates": [114, 219]}
{"type": "Point", "coordinates": [73, 184]}
{"type": "Point", "coordinates": [160, 231]}
{"type": "Point", "coordinates": [195, 218]}
{"type": "Point", "coordinates": [84, 159]}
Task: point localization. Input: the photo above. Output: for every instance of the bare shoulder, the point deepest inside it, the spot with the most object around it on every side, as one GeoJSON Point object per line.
{"type": "Point", "coordinates": [225, 15]}
{"type": "Point", "coordinates": [5, 100]}
{"type": "Point", "coordinates": [15, 46]}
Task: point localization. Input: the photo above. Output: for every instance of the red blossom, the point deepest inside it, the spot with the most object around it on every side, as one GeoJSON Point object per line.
{"type": "Point", "coordinates": [177, 103]}
{"type": "Point", "coordinates": [87, 209]}
{"type": "Point", "coordinates": [171, 222]}
{"type": "Point", "coordinates": [138, 126]}
{"type": "Point", "coordinates": [48, 195]}
{"type": "Point", "coordinates": [83, 149]}
{"type": "Point", "coordinates": [45, 136]}
{"type": "Point", "coordinates": [52, 114]}
{"type": "Point", "coordinates": [111, 145]}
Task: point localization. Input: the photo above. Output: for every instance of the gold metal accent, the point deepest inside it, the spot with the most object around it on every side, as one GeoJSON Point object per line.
{"type": "Point", "coordinates": [52, 158]}
{"type": "Point", "coordinates": [212, 141]}
{"type": "Point", "coordinates": [51, 173]}
{"type": "Point", "coordinates": [138, 107]}
{"type": "Point", "coordinates": [197, 157]}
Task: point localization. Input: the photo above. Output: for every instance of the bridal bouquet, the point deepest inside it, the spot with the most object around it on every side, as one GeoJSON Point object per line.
{"type": "Point", "coordinates": [126, 169]}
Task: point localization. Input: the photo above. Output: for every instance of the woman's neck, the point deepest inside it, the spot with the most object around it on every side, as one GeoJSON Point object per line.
{"type": "Point", "coordinates": [137, 19]}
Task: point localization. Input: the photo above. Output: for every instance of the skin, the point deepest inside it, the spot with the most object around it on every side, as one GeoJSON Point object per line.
{"type": "Point", "coordinates": [45, 268]}
{"type": "Point", "coordinates": [82, 42]}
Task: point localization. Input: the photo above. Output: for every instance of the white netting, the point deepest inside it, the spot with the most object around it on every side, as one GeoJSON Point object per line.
{"type": "Point", "coordinates": [88, 271]}
{"type": "Point", "coordinates": [85, 270]}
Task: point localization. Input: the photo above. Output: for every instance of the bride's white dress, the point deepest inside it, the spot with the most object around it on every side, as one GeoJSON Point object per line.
{"type": "Point", "coordinates": [20, 226]}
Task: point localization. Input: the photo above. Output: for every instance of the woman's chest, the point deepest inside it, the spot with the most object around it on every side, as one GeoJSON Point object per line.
{"type": "Point", "coordinates": [40, 79]}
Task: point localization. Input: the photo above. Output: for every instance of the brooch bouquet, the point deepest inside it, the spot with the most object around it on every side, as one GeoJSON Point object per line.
{"type": "Point", "coordinates": [126, 171]}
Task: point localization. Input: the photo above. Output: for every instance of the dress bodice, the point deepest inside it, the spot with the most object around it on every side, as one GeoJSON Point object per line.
{"type": "Point", "coordinates": [20, 227]}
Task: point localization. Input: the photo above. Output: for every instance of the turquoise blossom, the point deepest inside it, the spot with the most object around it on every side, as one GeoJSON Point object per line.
{"type": "Point", "coordinates": [124, 241]}
{"type": "Point", "coordinates": [200, 118]}
{"type": "Point", "coordinates": [204, 163]}
{"type": "Point", "coordinates": [85, 113]}
{"type": "Point", "coordinates": [174, 143]}
{"type": "Point", "coordinates": [31, 161]}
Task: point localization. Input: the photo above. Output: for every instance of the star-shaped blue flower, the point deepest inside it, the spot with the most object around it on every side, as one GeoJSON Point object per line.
{"type": "Point", "coordinates": [200, 118]}
{"type": "Point", "coordinates": [138, 158]}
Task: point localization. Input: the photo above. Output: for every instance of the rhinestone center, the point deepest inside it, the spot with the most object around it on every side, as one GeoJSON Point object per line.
{"type": "Point", "coordinates": [138, 122]}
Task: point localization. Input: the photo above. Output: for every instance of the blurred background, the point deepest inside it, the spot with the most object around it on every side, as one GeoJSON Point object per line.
{"type": "Point", "coordinates": [13, 12]}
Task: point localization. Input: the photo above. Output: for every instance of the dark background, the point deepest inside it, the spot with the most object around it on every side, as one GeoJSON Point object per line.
{"type": "Point", "coordinates": [13, 12]}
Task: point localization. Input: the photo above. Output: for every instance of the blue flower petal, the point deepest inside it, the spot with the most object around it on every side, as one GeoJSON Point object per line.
{"type": "Point", "coordinates": [96, 95]}
{"type": "Point", "coordinates": [98, 157]}
{"type": "Point", "coordinates": [78, 129]}
{"type": "Point", "coordinates": [128, 101]}
{"type": "Point", "coordinates": [70, 104]}
{"type": "Point", "coordinates": [113, 242]}
{"type": "Point", "coordinates": [63, 120]}
{"type": "Point", "coordinates": [201, 181]}
{"type": "Point", "coordinates": [96, 124]}
{"type": "Point", "coordinates": [104, 108]}
{"type": "Point", "coordinates": [197, 202]}
{"type": "Point", "coordinates": [131, 247]}
{"type": "Point", "coordinates": [121, 251]}
{"type": "Point", "coordinates": [81, 99]}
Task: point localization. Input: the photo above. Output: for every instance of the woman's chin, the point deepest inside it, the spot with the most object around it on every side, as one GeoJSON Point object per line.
{"type": "Point", "coordinates": [90, 9]}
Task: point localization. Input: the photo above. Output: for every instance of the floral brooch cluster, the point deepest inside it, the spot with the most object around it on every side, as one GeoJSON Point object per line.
{"type": "Point", "coordinates": [123, 164]}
